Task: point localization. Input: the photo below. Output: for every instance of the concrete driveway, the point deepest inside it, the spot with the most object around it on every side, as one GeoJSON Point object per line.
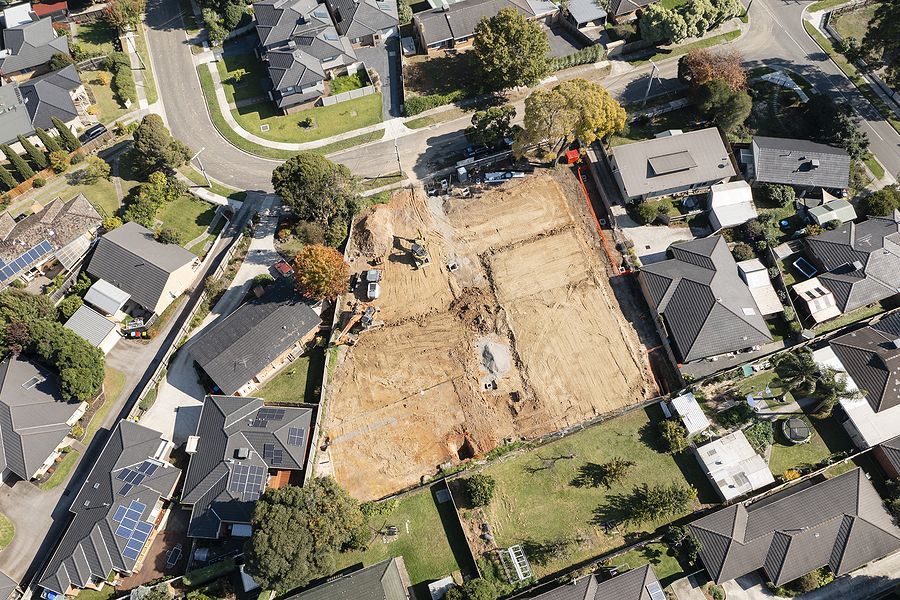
{"type": "Point", "coordinates": [176, 410]}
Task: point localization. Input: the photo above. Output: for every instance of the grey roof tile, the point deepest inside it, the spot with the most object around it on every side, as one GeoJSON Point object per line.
{"type": "Point", "coordinates": [90, 325]}
{"type": "Point", "coordinates": [800, 162]}
{"type": "Point", "coordinates": [382, 581]}
{"type": "Point", "coordinates": [459, 20]}
{"type": "Point", "coordinates": [872, 359]}
{"type": "Point", "coordinates": [50, 95]}
{"type": "Point", "coordinates": [31, 45]}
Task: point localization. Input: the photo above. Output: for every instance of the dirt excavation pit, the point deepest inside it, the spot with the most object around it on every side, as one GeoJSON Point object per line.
{"type": "Point", "coordinates": [524, 339]}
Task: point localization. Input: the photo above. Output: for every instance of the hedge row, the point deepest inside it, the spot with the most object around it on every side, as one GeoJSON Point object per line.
{"type": "Point", "coordinates": [585, 56]}
{"type": "Point", "coordinates": [416, 104]}
{"type": "Point", "coordinates": [119, 65]}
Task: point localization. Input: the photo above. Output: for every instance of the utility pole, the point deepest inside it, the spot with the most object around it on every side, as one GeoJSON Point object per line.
{"type": "Point", "coordinates": [202, 170]}
{"type": "Point", "coordinates": [130, 39]}
{"type": "Point", "coordinates": [653, 72]}
{"type": "Point", "coordinates": [747, 10]}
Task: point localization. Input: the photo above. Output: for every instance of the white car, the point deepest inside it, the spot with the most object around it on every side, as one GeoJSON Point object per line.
{"type": "Point", "coordinates": [373, 275]}
{"type": "Point", "coordinates": [373, 290]}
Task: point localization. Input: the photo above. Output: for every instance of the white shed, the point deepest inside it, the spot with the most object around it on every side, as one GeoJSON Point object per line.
{"type": "Point", "coordinates": [688, 410]}
{"type": "Point", "coordinates": [99, 331]}
{"type": "Point", "coordinates": [836, 210]}
{"type": "Point", "coordinates": [730, 204]}
{"type": "Point", "coordinates": [106, 298]}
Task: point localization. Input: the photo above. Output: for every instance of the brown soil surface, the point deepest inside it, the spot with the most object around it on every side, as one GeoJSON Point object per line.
{"type": "Point", "coordinates": [522, 339]}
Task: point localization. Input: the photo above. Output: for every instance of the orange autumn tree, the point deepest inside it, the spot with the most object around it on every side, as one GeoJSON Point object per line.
{"type": "Point", "coordinates": [320, 272]}
{"type": "Point", "coordinates": [699, 67]}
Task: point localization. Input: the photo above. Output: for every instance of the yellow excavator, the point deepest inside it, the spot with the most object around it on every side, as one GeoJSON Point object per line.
{"type": "Point", "coordinates": [361, 314]}
{"type": "Point", "coordinates": [419, 251]}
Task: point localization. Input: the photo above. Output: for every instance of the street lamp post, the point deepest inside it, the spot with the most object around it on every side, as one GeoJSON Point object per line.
{"type": "Point", "coordinates": [200, 163]}
{"type": "Point", "coordinates": [653, 72]}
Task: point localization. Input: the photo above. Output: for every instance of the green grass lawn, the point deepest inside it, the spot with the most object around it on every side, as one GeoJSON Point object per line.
{"type": "Point", "coordinates": [350, 142]}
{"type": "Point", "coordinates": [829, 437]}
{"type": "Point", "coordinates": [147, 72]}
{"type": "Point", "coordinates": [714, 40]}
{"type": "Point", "coordinates": [825, 5]}
{"type": "Point", "coordinates": [372, 183]}
{"type": "Point", "coordinates": [298, 382]}
{"type": "Point", "coordinates": [846, 319]}
{"type": "Point", "coordinates": [113, 383]}
{"type": "Point", "coordinates": [107, 106]}
{"type": "Point", "coordinates": [99, 33]}
{"type": "Point", "coordinates": [646, 128]}
{"type": "Point", "coordinates": [758, 383]}
{"type": "Point", "coordinates": [347, 83]}
{"type": "Point", "coordinates": [188, 216]}
{"type": "Point", "coordinates": [106, 593]}
{"type": "Point", "coordinates": [7, 531]}
{"type": "Point", "coordinates": [197, 178]}
{"type": "Point", "coordinates": [854, 23]}
{"type": "Point", "coordinates": [665, 565]}
{"type": "Point", "coordinates": [449, 114]}
{"type": "Point", "coordinates": [533, 504]}
{"type": "Point", "coordinates": [874, 165]}
{"type": "Point", "coordinates": [250, 85]}
{"type": "Point", "coordinates": [63, 468]}
{"type": "Point", "coordinates": [429, 540]}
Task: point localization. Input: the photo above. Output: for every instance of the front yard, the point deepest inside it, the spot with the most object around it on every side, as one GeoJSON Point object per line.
{"type": "Point", "coordinates": [539, 503]}
{"type": "Point", "coordinates": [188, 216]}
{"type": "Point", "coordinates": [645, 128]}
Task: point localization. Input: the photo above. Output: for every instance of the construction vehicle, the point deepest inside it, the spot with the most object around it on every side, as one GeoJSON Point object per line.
{"type": "Point", "coordinates": [362, 318]}
{"type": "Point", "coordinates": [419, 251]}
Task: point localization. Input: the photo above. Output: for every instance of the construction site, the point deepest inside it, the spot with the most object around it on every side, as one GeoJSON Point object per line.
{"type": "Point", "coordinates": [470, 323]}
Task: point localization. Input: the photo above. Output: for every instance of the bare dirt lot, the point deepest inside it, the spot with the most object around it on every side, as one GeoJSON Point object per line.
{"type": "Point", "coordinates": [524, 338]}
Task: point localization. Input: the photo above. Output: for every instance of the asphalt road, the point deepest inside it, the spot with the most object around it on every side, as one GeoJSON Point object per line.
{"type": "Point", "coordinates": [776, 38]}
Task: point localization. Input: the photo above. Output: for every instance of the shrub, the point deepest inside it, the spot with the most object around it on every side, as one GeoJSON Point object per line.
{"type": "Point", "coordinates": [585, 56]}
{"type": "Point", "coordinates": [760, 435]}
{"type": "Point", "coordinates": [795, 327]}
{"type": "Point", "coordinates": [735, 416]}
{"type": "Point", "coordinates": [791, 475]}
{"type": "Point", "coordinates": [122, 78]}
{"type": "Point", "coordinates": [309, 232]}
{"type": "Point", "coordinates": [68, 306]}
{"type": "Point", "coordinates": [673, 435]}
{"type": "Point", "coordinates": [168, 235]}
{"type": "Point", "coordinates": [77, 158]}
{"type": "Point", "coordinates": [833, 224]}
{"type": "Point", "coordinates": [646, 213]}
{"type": "Point", "coordinates": [789, 314]}
{"type": "Point", "coordinates": [418, 104]}
{"type": "Point", "coordinates": [59, 161]}
{"type": "Point", "coordinates": [813, 229]}
{"type": "Point", "coordinates": [480, 488]}
{"type": "Point", "coordinates": [742, 251]}
{"type": "Point", "coordinates": [39, 182]}
{"type": "Point", "coordinates": [110, 223]}
{"type": "Point", "coordinates": [77, 431]}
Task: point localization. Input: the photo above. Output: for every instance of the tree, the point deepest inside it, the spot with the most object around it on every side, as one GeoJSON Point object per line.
{"type": "Point", "coordinates": [169, 235]}
{"type": "Point", "coordinates": [309, 233]}
{"type": "Point", "coordinates": [154, 147]}
{"type": "Point", "coordinates": [760, 435]}
{"type": "Point", "coordinates": [320, 272]}
{"type": "Point", "coordinates": [480, 488]}
{"type": "Point", "coordinates": [659, 24]}
{"type": "Point", "coordinates": [727, 107]}
{"type": "Point", "coordinates": [511, 50]}
{"type": "Point", "coordinates": [238, 75]}
{"type": "Point", "coordinates": [831, 388]}
{"type": "Point", "coordinates": [699, 67]}
{"type": "Point", "coordinates": [68, 306]}
{"type": "Point", "coordinates": [652, 502]}
{"type": "Point", "coordinates": [797, 370]}
{"type": "Point", "coordinates": [835, 124]}
{"type": "Point", "coordinates": [124, 14]}
{"type": "Point", "coordinates": [576, 108]}
{"type": "Point", "coordinates": [404, 12]}
{"type": "Point", "coordinates": [60, 61]}
{"type": "Point", "coordinates": [159, 592]}
{"type": "Point", "coordinates": [479, 589]}
{"type": "Point", "coordinates": [25, 172]}
{"type": "Point", "coordinates": [881, 203]}
{"type": "Point", "coordinates": [779, 195]}
{"type": "Point", "coordinates": [7, 179]}
{"type": "Point", "coordinates": [606, 474]}
{"type": "Point", "coordinates": [699, 16]}
{"type": "Point", "coordinates": [215, 29]}
{"type": "Point", "coordinates": [490, 126]}
{"type": "Point", "coordinates": [882, 39]}
{"type": "Point", "coordinates": [110, 223]}
{"type": "Point", "coordinates": [49, 142]}
{"type": "Point", "coordinates": [315, 188]}
{"type": "Point", "coordinates": [95, 169]}
{"type": "Point", "coordinates": [647, 212]}
{"type": "Point", "coordinates": [59, 161]}
{"type": "Point", "coordinates": [742, 251]}
{"type": "Point", "coordinates": [673, 435]}
{"type": "Point", "coordinates": [38, 158]}
{"type": "Point", "coordinates": [233, 14]}
{"type": "Point", "coordinates": [69, 141]}
{"type": "Point", "coordinates": [298, 531]}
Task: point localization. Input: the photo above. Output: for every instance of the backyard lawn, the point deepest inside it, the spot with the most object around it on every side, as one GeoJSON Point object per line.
{"type": "Point", "coordinates": [327, 120]}
{"type": "Point", "coordinates": [113, 382]}
{"type": "Point", "coordinates": [62, 470]}
{"type": "Point", "coordinates": [828, 438]}
{"type": "Point", "coordinates": [666, 566]}
{"type": "Point", "coordinates": [299, 382]}
{"type": "Point", "coordinates": [423, 540]}
{"type": "Point", "coordinates": [188, 216]}
{"type": "Point", "coordinates": [640, 129]}
{"type": "Point", "coordinates": [536, 501]}
{"type": "Point", "coordinates": [847, 318]}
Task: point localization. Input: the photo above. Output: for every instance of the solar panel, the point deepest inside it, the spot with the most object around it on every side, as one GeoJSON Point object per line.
{"type": "Point", "coordinates": [138, 506]}
{"type": "Point", "coordinates": [130, 554]}
{"type": "Point", "coordinates": [123, 474]}
{"type": "Point", "coordinates": [129, 523]}
{"type": "Point", "coordinates": [147, 467]}
{"type": "Point", "coordinates": [133, 514]}
{"type": "Point", "coordinates": [655, 591]}
{"type": "Point", "coordinates": [144, 527]}
{"type": "Point", "coordinates": [245, 478]}
{"type": "Point", "coordinates": [271, 414]}
{"type": "Point", "coordinates": [268, 451]}
{"type": "Point", "coordinates": [125, 489]}
{"type": "Point", "coordinates": [120, 513]}
{"type": "Point", "coordinates": [259, 423]}
{"type": "Point", "coordinates": [296, 436]}
{"type": "Point", "coordinates": [139, 536]}
{"type": "Point", "coordinates": [123, 532]}
{"type": "Point", "coordinates": [277, 456]}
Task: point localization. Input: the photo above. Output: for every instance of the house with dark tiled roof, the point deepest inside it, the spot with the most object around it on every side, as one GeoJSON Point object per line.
{"type": "Point", "coordinates": [858, 262]}
{"type": "Point", "coordinates": [241, 447]}
{"type": "Point", "coordinates": [636, 584]}
{"type": "Point", "coordinates": [246, 348]}
{"type": "Point", "coordinates": [801, 164]}
{"type": "Point", "coordinates": [364, 22]}
{"type": "Point", "coordinates": [870, 359]}
{"type": "Point", "coordinates": [839, 523]}
{"type": "Point", "coordinates": [59, 233]}
{"type": "Point", "coordinates": [454, 25]}
{"type": "Point", "coordinates": [386, 580]}
{"type": "Point", "coordinates": [702, 302]}
{"type": "Point", "coordinates": [625, 11]}
{"type": "Point", "coordinates": [888, 454]}
{"type": "Point", "coordinates": [116, 513]}
{"type": "Point", "coordinates": [58, 94]}
{"type": "Point", "coordinates": [152, 273]}
{"type": "Point", "coordinates": [35, 418]}
{"type": "Point", "coordinates": [29, 46]}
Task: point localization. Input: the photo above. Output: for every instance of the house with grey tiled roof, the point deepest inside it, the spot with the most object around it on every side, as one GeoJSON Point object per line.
{"type": "Point", "coordinates": [58, 94]}
{"type": "Point", "coordinates": [35, 418]}
{"type": "Point", "coordinates": [802, 164]}
{"type": "Point", "coordinates": [244, 349]}
{"type": "Point", "coordinates": [116, 513]}
{"type": "Point", "coordinates": [364, 22]}
{"type": "Point", "coordinates": [152, 273]}
{"type": "Point", "coordinates": [840, 523]}
{"type": "Point", "coordinates": [702, 302]}
{"type": "Point", "coordinates": [625, 11]}
{"type": "Point", "coordinates": [240, 448]}
{"type": "Point", "coordinates": [30, 46]}
{"type": "Point", "coordinates": [637, 584]}
{"type": "Point", "coordinates": [454, 25]}
{"type": "Point", "coordinates": [386, 580]}
{"type": "Point", "coordinates": [888, 454]}
{"type": "Point", "coordinates": [858, 262]}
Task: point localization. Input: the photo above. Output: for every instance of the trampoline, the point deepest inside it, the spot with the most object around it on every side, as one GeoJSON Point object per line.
{"type": "Point", "coordinates": [796, 430]}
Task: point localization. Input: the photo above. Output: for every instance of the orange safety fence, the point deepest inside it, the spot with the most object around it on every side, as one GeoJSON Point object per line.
{"type": "Point", "coordinates": [606, 247]}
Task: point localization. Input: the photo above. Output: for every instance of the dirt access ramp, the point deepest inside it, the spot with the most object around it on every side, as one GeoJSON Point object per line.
{"type": "Point", "coordinates": [523, 338]}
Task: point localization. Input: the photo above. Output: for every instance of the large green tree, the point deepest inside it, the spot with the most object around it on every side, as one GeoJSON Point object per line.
{"type": "Point", "coordinates": [18, 163]}
{"type": "Point", "coordinates": [881, 203]}
{"type": "Point", "coordinates": [491, 125]}
{"type": "Point", "coordinates": [320, 272]}
{"type": "Point", "coordinates": [68, 138]}
{"type": "Point", "coordinates": [38, 158]}
{"type": "Point", "coordinates": [729, 108]}
{"type": "Point", "coordinates": [316, 189]}
{"type": "Point", "coordinates": [797, 370]}
{"type": "Point", "coordinates": [298, 531]}
{"type": "Point", "coordinates": [661, 24]}
{"type": "Point", "coordinates": [7, 179]}
{"type": "Point", "coordinates": [648, 502]}
{"type": "Point", "coordinates": [511, 50]}
{"type": "Point", "coordinates": [831, 123]}
{"type": "Point", "coordinates": [154, 147]}
{"type": "Point", "coordinates": [883, 38]}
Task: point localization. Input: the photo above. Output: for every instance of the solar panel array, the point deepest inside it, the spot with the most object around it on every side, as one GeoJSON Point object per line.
{"type": "Point", "coordinates": [259, 423]}
{"type": "Point", "coordinates": [132, 529]}
{"type": "Point", "coordinates": [25, 260]}
{"type": "Point", "coordinates": [273, 455]}
{"type": "Point", "coordinates": [296, 436]}
{"type": "Point", "coordinates": [248, 481]}
{"type": "Point", "coordinates": [270, 414]}
{"type": "Point", "coordinates": [133, 477]}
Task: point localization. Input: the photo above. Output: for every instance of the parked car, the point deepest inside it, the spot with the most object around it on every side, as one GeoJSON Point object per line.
{"type": "Point", "coordinates": [373, 275]}
{"type": "Point", "coordinates": [373, 291]}
{"type": "Point", "coordinates": [93, 133]}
